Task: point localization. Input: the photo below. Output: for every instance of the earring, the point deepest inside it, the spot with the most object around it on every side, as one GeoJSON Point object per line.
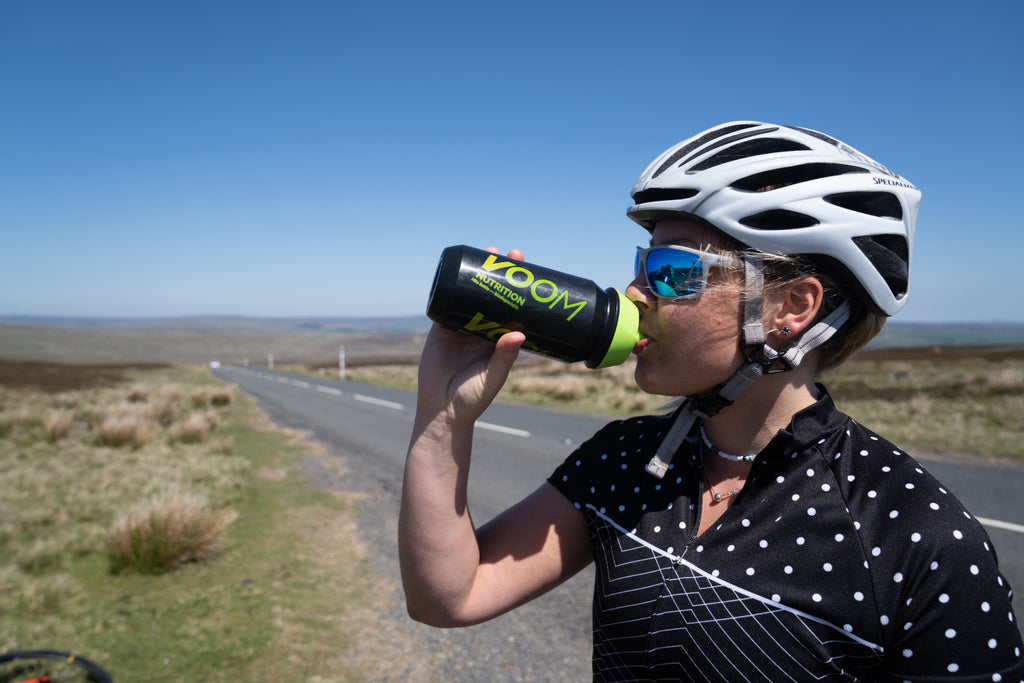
{"type": "Point", "coordinates": [785, 331]}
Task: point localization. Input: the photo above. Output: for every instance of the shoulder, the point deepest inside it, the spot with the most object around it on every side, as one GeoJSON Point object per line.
{"type": "Point", "coordinates": [635, 434]}
{"type": "Point", "coordinates": [890, 496]}
{"type": "Point", "coordinates": [613, 458]}
{"type": "Point", "coordinates": [930, 560]}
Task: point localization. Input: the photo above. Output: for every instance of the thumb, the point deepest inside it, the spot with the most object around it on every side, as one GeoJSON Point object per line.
{"type": "Point", "coordinates": [506, 350]}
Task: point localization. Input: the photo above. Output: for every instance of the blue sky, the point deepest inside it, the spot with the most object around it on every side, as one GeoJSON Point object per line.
{"type": "Point", "coordinates": [312, 158]}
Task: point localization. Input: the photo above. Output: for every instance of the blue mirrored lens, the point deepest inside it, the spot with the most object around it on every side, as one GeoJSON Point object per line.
{"type": "Point", "coordinates": [671, 273]}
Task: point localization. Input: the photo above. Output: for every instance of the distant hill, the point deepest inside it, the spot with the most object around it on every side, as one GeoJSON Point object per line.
{"type": "Point", "coordinates": [201, 339]}
{"type": "Point", "coordinates": [397, 325]}
{"type": "Point", "coordinates": [318, 340]}
{"type": "Point", "coordinates": [894, 334]}
{"type": "Point", "coordinates": [902, 335]}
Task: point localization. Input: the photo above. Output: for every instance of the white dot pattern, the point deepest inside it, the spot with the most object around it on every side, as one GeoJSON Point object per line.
{"type": "Point", "coordinates": [840, 553]}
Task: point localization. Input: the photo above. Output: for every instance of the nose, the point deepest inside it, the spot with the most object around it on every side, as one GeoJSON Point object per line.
{"type": "Point", "coordinates": [638, 292]}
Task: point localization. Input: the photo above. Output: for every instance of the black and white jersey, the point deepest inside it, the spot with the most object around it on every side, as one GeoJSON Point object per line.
{"type": "Point", "coordinates": [841, 559]}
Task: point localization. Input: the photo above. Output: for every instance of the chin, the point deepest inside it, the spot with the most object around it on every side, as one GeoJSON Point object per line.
{"type": "Point", "coordinates": [652, 382]}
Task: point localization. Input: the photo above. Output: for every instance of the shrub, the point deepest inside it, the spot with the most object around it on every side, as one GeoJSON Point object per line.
{"type": "Point", "coordinates": [563, 387]}
{"type": "Point", "coordinates": [169, 404]}
{"type": "Point", "coordinates": [1006, 381]}
{"type": "Point", "coordinates": [57, 424]}
{"type": "Point", "coordinates": [126, 424]}
{"type": "Point", "coordinates": [213, 396]}
{"type": "Point", "coordinates": [139, 393]}
{"type": "Point", "coordinates": [167, 532]}
{"type": "Point", "coordinates": [196, 429]}
{"type": "Point", "coordinates": [200, 397]}
{"type": "Point", "coordinates": [221, 396]}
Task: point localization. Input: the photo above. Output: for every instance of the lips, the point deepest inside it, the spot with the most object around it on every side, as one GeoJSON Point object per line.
{"type": "Point", "coordinates": [642, 344]}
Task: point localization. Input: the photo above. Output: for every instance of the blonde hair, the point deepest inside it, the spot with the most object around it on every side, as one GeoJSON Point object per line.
{"type": "Point", "coordinates": [860, 328]}
{"type": "Point", "coordinates": [780, 271]}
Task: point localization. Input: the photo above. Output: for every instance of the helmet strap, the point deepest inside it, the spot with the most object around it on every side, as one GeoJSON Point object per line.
{"type": "Point", "coordinates": [761, 360]}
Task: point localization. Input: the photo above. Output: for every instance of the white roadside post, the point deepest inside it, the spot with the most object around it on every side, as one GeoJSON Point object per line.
{"type": "Point", "coordinates": [341, 362]}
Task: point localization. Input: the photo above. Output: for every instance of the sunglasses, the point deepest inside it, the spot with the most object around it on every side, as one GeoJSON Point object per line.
{"type": "Point", "coordinates": [674, 272]}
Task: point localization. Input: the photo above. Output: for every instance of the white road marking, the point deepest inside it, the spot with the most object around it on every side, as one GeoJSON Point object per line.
{"type": "Point", "coordinates": [995, 523]}
{"type": "Point", "coordinates": [378, 401]}
{"type": "Point", "coordinates": [1009, 526]}
{"type": "Point", "coordinates": [503, 430]}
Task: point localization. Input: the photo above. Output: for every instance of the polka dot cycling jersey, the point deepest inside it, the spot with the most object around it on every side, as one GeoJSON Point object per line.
{"type": "Point", "coordinates": [841, 559]}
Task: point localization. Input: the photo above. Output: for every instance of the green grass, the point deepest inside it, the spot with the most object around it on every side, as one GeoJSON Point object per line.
{"type": "Point", "coordinates": [288, 596]}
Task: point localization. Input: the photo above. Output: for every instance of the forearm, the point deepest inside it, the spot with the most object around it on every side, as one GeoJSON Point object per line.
{"type": "Point", "coordinates": [438, 551]}
{"type": "Point", "coordinates": [439, 554]}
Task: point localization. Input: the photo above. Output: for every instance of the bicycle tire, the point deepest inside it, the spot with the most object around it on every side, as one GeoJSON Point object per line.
{"type": "Point", "coordinates": [49, 666]}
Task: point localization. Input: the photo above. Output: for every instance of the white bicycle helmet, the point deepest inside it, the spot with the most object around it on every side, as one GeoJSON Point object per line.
{"type": "Point", "coordinates": [788, 190]}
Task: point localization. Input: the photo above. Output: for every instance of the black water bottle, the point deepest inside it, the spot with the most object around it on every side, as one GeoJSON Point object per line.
{"type": "Point", "coordinates": [563, 316]}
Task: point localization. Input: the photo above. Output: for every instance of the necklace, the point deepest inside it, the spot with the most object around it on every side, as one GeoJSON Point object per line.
{"type": "Point", "coordinates": [723, 454]}
{"type": "Point", "coordinates": [729, 456]}
{"type": "Point", "coordinates": [717, 496]}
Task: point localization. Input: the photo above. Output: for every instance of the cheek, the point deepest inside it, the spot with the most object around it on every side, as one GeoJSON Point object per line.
{"type": "Point", "coordinates": [698, 347]}
{"type": "Point", "coordinates": [719, 323]}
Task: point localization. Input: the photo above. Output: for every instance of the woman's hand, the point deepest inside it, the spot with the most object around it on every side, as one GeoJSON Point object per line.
{"type": "Point", "coordinates": [461, 374]}
{"type": "Point", "coordinates": [451, 575]}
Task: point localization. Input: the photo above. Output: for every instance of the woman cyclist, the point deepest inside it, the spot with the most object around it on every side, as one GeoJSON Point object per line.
{"type": "Point", "coordinates": [756, 533]}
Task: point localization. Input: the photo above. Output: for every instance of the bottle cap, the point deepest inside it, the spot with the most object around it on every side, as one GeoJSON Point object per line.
{"type": "Point", "coordinates": [626, 335]}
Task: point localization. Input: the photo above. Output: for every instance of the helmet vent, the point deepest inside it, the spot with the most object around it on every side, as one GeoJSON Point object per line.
{"type": "Point", "coordinates": [781, 177]}
{"type": "Point", "coordinates": [747, 149]}
{"type": "Point", "coordinates": [699, 142]}
{"type": "Point", "coordinates": [821, 136]}
{"type": "Point", "coordinates": [880, 204]}
{"type": "Point", "coordinates": [779, 219]}
{"type": "Point", "coordinates": [663, 194]}
{"type": "Point", "coordinates": [889, 255]}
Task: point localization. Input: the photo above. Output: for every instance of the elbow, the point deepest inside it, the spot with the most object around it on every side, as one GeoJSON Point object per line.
{"type": "Point", "coordinates": [436, 613]}
{"type": "Point", "coordinates": [433, 601]}
{"type": "Point", "coordinates": [428, 617]}
{"type": "Point", "coordinates": [434, 617]}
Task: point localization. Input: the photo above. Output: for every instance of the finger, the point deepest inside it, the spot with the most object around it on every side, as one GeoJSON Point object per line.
{"type": "Point", "coordinates": [506, 350]}
{"type": "Point", "coordinates": [517, 254]}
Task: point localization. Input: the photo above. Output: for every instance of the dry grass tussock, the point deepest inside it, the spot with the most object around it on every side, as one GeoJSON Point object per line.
{"type": "Point", "coordinates": [57, 424]}
{"type": "Point", "coordinates": [146, 413]}
{"type": "Point", "coordinates": [109, 456]}
{"type": "Point", "coordinates": [576, 387]}
{"type": "Point", "coordinates": [128, 548]}
{"type": "Point", "coordinates": [211, 396]}
{"type": "Point", "coordinates": [541, 381]}
{"type": "Point", "coordinates": [126, 424]}
{"type": "Point", "coordinates": [163, 533]}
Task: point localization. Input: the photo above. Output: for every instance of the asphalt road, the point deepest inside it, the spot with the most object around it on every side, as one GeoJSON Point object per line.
{"type": "Point", "coordinates": [515, 449]}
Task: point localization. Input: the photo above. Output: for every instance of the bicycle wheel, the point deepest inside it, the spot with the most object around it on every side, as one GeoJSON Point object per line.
{"type": "Point", "coordinates": [49, 666]}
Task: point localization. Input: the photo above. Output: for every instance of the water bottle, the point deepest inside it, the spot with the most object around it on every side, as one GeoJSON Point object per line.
{"type": "Point", "coordinates": [563, 316]}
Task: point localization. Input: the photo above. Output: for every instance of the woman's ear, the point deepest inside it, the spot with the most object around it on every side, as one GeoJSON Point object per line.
{"type": "Point", "coordinates": [794, 308]}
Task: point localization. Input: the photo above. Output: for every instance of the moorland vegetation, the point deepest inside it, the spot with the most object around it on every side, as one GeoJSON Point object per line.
{"type": "Point", "coordinates": [153, 521]}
